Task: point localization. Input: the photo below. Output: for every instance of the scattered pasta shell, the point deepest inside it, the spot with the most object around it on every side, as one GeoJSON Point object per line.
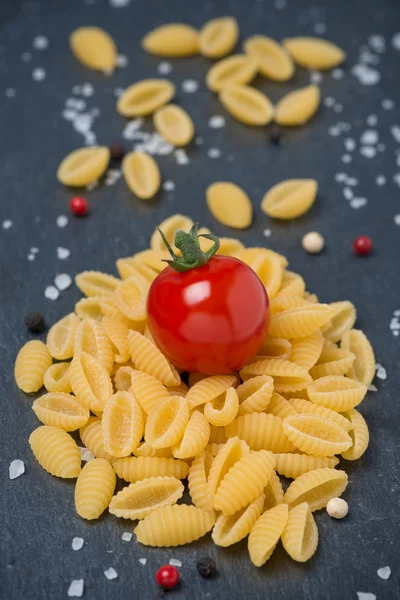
{"type": "Point", "coordinates": [287, 376]}
{"type": "Point", "coordinates": [316, 487]}
{"type": "Point", "coordinates": [148, 358]}
{"type": "Point", "coordinates": [231, 529]}
{"type": "Point", "coordinates": [343, 317]}
{"type": "Point", "coordinates": [272, 60]}
{"type": "Point", "coordinates": [363, 367]}
{"type": "Point", "coordinates": [90, 381]}
{"type": "Point", "coordinates": [142, 174]}
{"type": "Point", "coordinates": [247, 105]}
{"type": "Point", "coordinates": [306, 350]}
{"type": "Point", "coordinates": [280, 407]}
{"type": "Point", "coordinates": [265, 534]}
{"type": "Point", "coordinates": [261, 432]}
{"type": "Point", "coordinates": [134, 469]}
{"type": "Point", "coordinates": [332, 361]}
{"type": "Point", "coordinates": [95, 283]}
{"type": "Point", "coordinates": [145, 97]}
{"type": "Point", "coordinates": [315, 435]}
{"type": "Point", "coordinates": [222, 410]}
{"type": "Point", "coordinates": [174, 124]}
{"type": "Point", "coordinates": [229, 204]}
{"type": "Point", "coordinates": [91, 435]}
{"type": "Point", "coordinates": [117, 333]}
{"type": "Point", "coordinates": [299, 322]}
{"type": "Point", "coordinates": [238, 69]}
{"type": "Point", "coordinates": [166, 423]}
{"type": "Point", "coordinates": [56, 451]}
{"type": "Point", "coordinates": [174, 526]}
{"type": "Point", "coordinates": [94, 488]}
{"type": "Point", "coordinates": [337, 392]}
{"type": "Point", "coordinates": [169, 227]}
{"type": "Point", "coordinates": [172, 40]}
{"type": "Point", "coordinates": [61, 410]}
{"type": "Point", "coordinates": [273, 492]}
{"type": "Point", "coordinates": [148, 390]}
{"type": "Point", "coordinates": [83, 166]}
{"type": "Point", "coordinates": [296, 108]}
{"type": "Point", "coordinates": [199, 490]}
{"type": "Point", "coordinates": [300, 536]}
{"type": "Point", "coordinates": [292, 465]}
{"type": "Point", "coordinates": [195, 437]}
{"type": "Point", "coordinates": [31, 364]}
{"type": "Point", "coordinates": [255, 394]}
{"type": "Point", "coordinates": [56, 378]}
{"type": "Point", "coordinates": [359, 435]}
{"type": "Point", "coordinates": [227, 457]}
{"type": "Point", "coordinates": [122, 424]}
{"type": "Point", "coordinates": [314, 53]}
{"type": "Point", "coordinates": [94, 48]}
{"type": "Point", "coordinates": [304, 406]}
{"type": "Point", "coordinates": [91, 338]}
{"type": "Point", "coordinates": [290, 199]}
{"type": "Point", "coordinates": [274, 347]}
{"type": "Point", "coordinates": [61, 337]}
{"type": "Point", "coordinates": [208, 388]}
{"type": "Point", "coordinates": [131, 297]}
{"type": "Point", "coordinates": [139, 499]}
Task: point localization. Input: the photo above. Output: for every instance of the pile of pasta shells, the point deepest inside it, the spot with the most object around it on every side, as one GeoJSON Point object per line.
{"type": "Point", "coordinates": [291, 412]}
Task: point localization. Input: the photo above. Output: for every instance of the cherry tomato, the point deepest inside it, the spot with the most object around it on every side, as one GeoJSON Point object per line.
{"type": "Point", "coordinates": [210, 319]}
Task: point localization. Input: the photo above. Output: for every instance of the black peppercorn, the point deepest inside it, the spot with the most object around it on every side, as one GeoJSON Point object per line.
{"type": "Point", "coordinates": [275, 134]}
{"type": "Point", "coordinates": [117, 151]}
{"type": "Point", "coordinates": [34, 322]}
{"type": "Point", "coordinates": [206, 567]}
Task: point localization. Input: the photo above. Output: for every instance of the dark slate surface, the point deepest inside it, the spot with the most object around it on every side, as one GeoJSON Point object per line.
{"type": "Point", "coordinates": [38, 519]}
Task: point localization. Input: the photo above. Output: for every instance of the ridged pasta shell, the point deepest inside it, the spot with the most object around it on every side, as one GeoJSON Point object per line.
{"type": "Point", "coordinates": [56, 378]}
{"type": "Point", "coordinates": [332, 361]}
{"type": "Point", "coordinates": [222, 410]}
{"type": "Point", "coordinates": [195, 437]}
{"type": "Point", "coordinates": [122, 424]}
{"type": "Point", "coordinates": [148, 390]}
{"type": "Point", "coordinates": [261, 432]}
{"type": "Point", "coordinates": [95, 307]}
{"type": "Point", "coordinates": [154, 258]}
{"type": "Point", "coordinates": [273, 492]}
{"type": "Point", "coordinates": [306, 350]}
{"type": "Point", "coordinates": [229, 246]}
{"type": "Point", "coordinates": [91, 435]}
{"type": "Point", "coordinates": [280, 407]}
{"type": "Point", "coordinates": [142, 174]}
{"type": "Point", "coordinates": [199, 490]}
{"type": "Point", "coordinates": [174, 124]}
{"type": "Point", "coordinates": [272, 59]}
{"type": "Point", "coordinates": [265, 534]}
{"type": "Point", "coordinates": [94, 48]}
{"type": "Point", "coordinates": [179, 390]}
{"type": "Point", "coordinates": [290, 198]}
{"type": "Point", "coordinates": [292, 465]}
{"type": "Point", "coordinates": [337, 392]}
{"type": "Point", "coordinates": [218, 37]}
{"type": "Point", "coordinates": [123, 378]}
{"type": "Point", "coordinates": [316, 487]}
{"type": "Point", "coordinates": [169, 227]}
{"type": "Point", "coordinates": [284, 301]}
{"type": "Point", "coordinates": [359, 435]}
{"type": "Point", "coordinates": [214, 448]}
{"type": "Point", "coordinates": [145, 97]}
{"type": "Point", "coordinates": [247, 105]}
{"type": "Point", "coordinates": [304, 406]}
{"type": "Point", "coordinates": [139, 499]}
{"type": "Point", "coordinates": [83, 166]}
{"type": "Point", "coordinates": [166, 423]}
{"type": "Point", "coordinates": [117, 333]}
{"type": "Point", "coordinates": [314, 53]}
{"type": "Point", "coordinates": [134, 469]}
{"type": "Point", "coordinates": [229, 455]}
{"type": "Point", "coordinates": [292, 283]}
{"type": "Point", "coordinates": [61, 337]}
{"type": "Point", "coordinates": [287, 376]}
{"type": "Point", "coordinates": [300, 536]}
{"type": "Point", "coordinates": [90, 381]}
{"type": "Point", "coordinates": [229, 204]}
{"type": "Point", "coordinates": [60, 410]}
{"type": "Point", "coordinates": [131, 267]}
{"type": "Point", "coordinates": [315, 435]}
{"type": "Point", "coordinates": [95, 283]}
{"type": "Point", "coordinates": [56, 451]}
{"type": "Point", "coordinates": [255, 394]}
{"type": "Point", "coordinates": [148, 358]}
{"type": "Point", "coordinates": [145, 449]}
{"type": "Point", "coordinates": [174, 526]}
{"type": "Point", "coordinates": [231, 529]}
{"type": "Point", "coordinates": [269, 270]}
{"type": "Point", "coordinates": [31, 364]}
{"type": "Point", "coordinates": [94, 488]}
{"type": "Point", "coordinates": [299, 322]}
{"type": "Point", "coordinates": [91, 338]}
{"type": "Point", "coordinates": [343, 316]}
{"type": "Point", "coordinates": [172, 40]}
{"type": "Point", "coordinates": [238, 69]}
{"type": "Point", "coordinates": [249, 255]}
{"type": "Point", "coordinates": [208, 388]}
{"type": "Point", "coordinates": [363, 368]}
{"type": "Point", "coordinates": [296, 108]}
{"type": "Point", "coordinates": [131, 297]}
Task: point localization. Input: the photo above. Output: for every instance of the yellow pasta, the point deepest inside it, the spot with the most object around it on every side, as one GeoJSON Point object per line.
{"type": "Point", "coordinates": [169, 227]}
{"type": "Point", "coordinates": [316, 487]}
{"type": "Point", "coordinates": [139, 499]}
{"type": "Point", "coordinates": [179, 390]}
{"type": "Point", "coordinates": [265, 534]}
{"type": "Point", "coordinates": [83, 166]}
{"type": "Point", "coordinates": [166, 423]}
{"type": "Point", "coordinates": [292, 283]}
{"type": "Point", "coordinates": [91, 338]}
{"type": "Point", "coordinates": [123, 377]}
{"type": "Point", "coordinates": [61, 337]}
{"type": "Point", "coordinates": [94, 488]}
{"type": "Point", "coordinates": [145, 97]}
{"type": "Point", "coordinates": [174, 124]}
{"type": "Point", "coordinates": [172, 40]}
{"type": "Point", "coordinates": [247, 105]}
{"type": "Point", "coordinates": [117, 333]}
{"type": "Point", "coordinates": [255, 394]}
{"type": "Point", "coordinates": [195, 437]}
{"type": "Point", "coordinates": [249, 255]}
{"type": "Point", "coordinates": [363, 367]}
{"type": "Point", "coordinates": [145, 449]}
{"type": "Point", "coordinates": [337, 392]}
{"type": "Point", "coordinates": [61, 410]}
{"type": "Point", "coordinates": [95, 307]}
{"type": "Point", "coordinates": [231, 529]}
{"type": "Point", "coordinates": [296, 108]}
{"type": "Point", "coordinates": [222, 410]}
{"type": "Point", "coordinates": [274, 347]}
{"type": "Point", "coordinates": [148, 358]}
{"type": "Point", "coordinates": [272, 59]}
{"type": "Point", "coordinates": [343, 316]}
{"type": "Point", "coordinates": [229, 204]}
{"type": "Point", "coordinates": [174, 526]}
{"type": "Point", "coordinates": [269, 270]}
{"type": "Point", "coordinates": [199, 490]}
{"type": "Point", "coordinates": [90, 381]}
{"type": "Point", "coordinates": [300, 536]}
{"type": "Point", "coordinates": [141, 174]}
{"type": "Point", "coordinates": [261, 432]}
{"type": "Point", "coordinates": [122, 424]}
{"type": "Point", "coordinates": [154, 258]}
{"type": "Point", "coordinates": [280, 407]}
{"type": "Point", "coordinates": [56, 451]}
{"type": "Point", "coordinates": [208, 388]}
{"type": "Point", "coordinates": [218, 37]}
{"type": "Point", "coordinates": [56, 378]}
{"type": "Point", "coordinates": [91, 435]}
{"type": "Point", "coordinates": [290, 198]}
{"type": "Point", "coordinates": [148, 390]}
{"type": "Point", "coordinates": [131, 297]}
{"type": "Point", "coordinates": [273, 492]}
{"type": "Point", "coordinates": [284, 301]}
{"type": "Point", "coordinates": [314, 53]}
{"type": "Point", "coordinates": [299, 322]}
{"type": "Point", "coordinates": [292, 465]}
{"type": "Point", "coordinates": [132, 267]}
{"type": "Point", "coordinates": [287, 376]}
{"type": "Point", "coordinates": [31, 364]}
{"type": "Point", "coordinates": [332, 361]}
{"type": "Point", "coordinates": [134, 469]}
{"type": "Point", "coordinates": [230, 453]}
{"type": "Point", "coordinates": [238, 69]}
{"type": "Point", "coordinates": [94, 48]}
{"type": "Point", "coordinates": [315, 435]}
{"type": "Point", "coordinates": [304, 406]}
{"type": "Point", "coordinates": [96, 283]}
{"type": "Point", "coordinates": [306, 350]}
{"type": "Point", "coordinates": [359, 435]}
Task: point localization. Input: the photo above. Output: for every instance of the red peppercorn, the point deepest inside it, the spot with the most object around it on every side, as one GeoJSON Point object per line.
{"type": "Point", "coordinates": [167, 577]}
{"type": "Point", "coordinates": [362, 245]}
{"type": "Point", "coordinates": [78, 206]}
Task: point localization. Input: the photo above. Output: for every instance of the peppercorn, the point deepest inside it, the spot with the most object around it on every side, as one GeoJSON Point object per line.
{"type": "Point", "coordinates": [117, 151]}
{"type": "Point", "coordinates": [275, 134]}
{"type": "Point", "coordinates": [206, 567]}
{"type": "Point", "coordinates": [35, 322]}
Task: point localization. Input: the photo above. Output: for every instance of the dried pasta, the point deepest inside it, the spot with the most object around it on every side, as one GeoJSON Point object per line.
{"type": "Point", "coordinates": [61, 410]}
{"type": "Point", "coordinates": [56, 378]}
{"type": "Point", "coordinates": [299, 322]}
{"type": "Point", "coordinates": [359, 435]}
{"type": "Point", "coordinates": [195, 437]}
{"type": "Point", "coordinates": [316, 488]}
{"type": "Point", "coordinates": [148, 358]}
{"type": "Point", "coordinates": [229, 204]}
{"type": "Point", "coordinates": [290, 199]}
{"type": "Point", "coordinates": [94, 488]}
{"type": "Point", "coordinates": [139, 499]}
{"type": "Point", "coordinates": [306, 350]}
{"type": "Point", "coordinates": [287, 376]}
{"type": "Point", "coordinates": [172, 40]}
{"type": "Point", "coordinates": [280, 407]}
{"type": "Point", "coordinates": [304, 406]}
{"type": "Point", "coordinates": [174, 124]}
{"type": "Point", "coordinates": [92, 436]}
{"type": "Point", "coordinates": [166, 423]}
{"type": "Point", "coordinates": [123, 377]}
{"type": "Point", "coordinates": [199, 490]}
{"type": "Point", "coordinates": [145, 97]}
{"type": "Point", "coordinates": [207, 389]}
{"type": "Point", "coordinates": [141, 174]}
{"type": "Point", "coordinates": [247, 105]}
{"type": "Point", "coordinates": [300, 536]}
{"type": "Point", "coordinates": [292, 465]}
{"type": "Point", "coordinates": [117, 333]}
{"type": "Point", "coordinates": [91, 338]}
{"type": "Point", "coordinates": [255, 394]}
{"type": "Point", "coordinates": [148, 390]}
{"type": "Point", "coordinates": [56, 451]}
{"type": "Point", "coordinates": [332, 361]}
{"type": "Point", "coordinates": [83, 166]}
{"type": "Point", "coordinates": [61, 337]}
{"type": "Point", "coordinates": [218, 37]}
{"type": "Point", "coordinates": [272, 59]}
{"type": "Point", "coordinates": [314, 53]}
{"type": "Point", "coordinates": [122, 424]}
{"type": "Point", "coordinates": [90, 381]}
{"type": "Point", "coordinates": [131, 296]}
{"type": "Point", "coordinates": [266, 533]}
{"type": "Point", "coordinates": [315, 435]}
{"type": "Point", "coordinates": [274, 347]}
{"type": "Point", "coordinates": [235, 70]}
{"type": "Point", "coordinates": [222, 410]}
{"type": "Point", "coordinates": [296, 108]}
{"type": "Point", "coordinates": [343, 317]}
{"type": "Point", "coordinates": [31, 364]}
{"type": "Point", "coordinates": [273, 492]}
{"type": "Point", "coordinates": [231, 529]}
{"type": "Point", "coordinates": [230, 453]}
{"type": "Point", "coordinates": [261, 432]}
{"type": "Point", "coordinates": [169, 227]}
{"type": "Point", "coordinates": [94, 48]}
{"type": "Point", "coordinates": [96, 283]}
{"type": "Point", "coordinates": [337, 392]}
{"type": "Point", "coordinates": [134, 469]}
{"type": "Point", "coordinates": [363, 367]}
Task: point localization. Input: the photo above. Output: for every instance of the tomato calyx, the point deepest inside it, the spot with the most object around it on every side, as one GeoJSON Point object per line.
{"type": "Point", "coordinates": [192, 256]}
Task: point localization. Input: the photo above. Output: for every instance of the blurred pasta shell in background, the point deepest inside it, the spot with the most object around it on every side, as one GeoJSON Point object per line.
{"type": "Point", "coordinates": [229, 204]}
{"type": "Point", "coordinates": [298, 107]}
{"type": "Point", "coordinates": [174, 124]}
{"type": "Point", "coordinates": [172, 39]}
{"type": "Point", "coordinates": [83, 166]}
{"type": "Point", "coordinates": [218, 37]}
{"type": "Point", "coordinates": [247, 104]}
{"type": "Point", "coordinates": [94, 48]}
{"type": "Point", "coordinates": [290, 199]}
{"type": "Point", "coordinates": [235, 70]}
{"type": "Point", "coordinates": [142, 174]}
{"type": "Point", "coordinates": [169, 227]}
{"type": "Point", "coordinates": [272, 59]}
{"type": "Point", "coordinates": [96, 283]}
{"type": "Point", "coordinates": [144, 97]}
{"type": "Point", "coordinates": [314, 53]}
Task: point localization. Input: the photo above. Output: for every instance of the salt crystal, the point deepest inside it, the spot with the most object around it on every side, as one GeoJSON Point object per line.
{"type": "Point", "coordinates": [127, 536]}
{"type": "Point", "coordinates": [366, 75]}
{"type": "Point", "coordinates": [118, 91]}
{"type": "Point", "coordinates": [320, 28]}
{"type": "Point", "coordinates": [358, 202]}
{"type": "Point", "coordinates": [337, 73]}
{"type": "Point", "coordinates": [75, 589]}
{"type": "Point", "coordinates": [372, 388]}
{"type": "Point", "coordinates": [174, 562]}
{"type": "Point", "coordinates": [396, 178]}
{"type": "Point", "coordinates": [168, 186]}
{"type": "Point", "coordinates": [387, 104]}
{"type": "Point", "coordinates": [397, 313]}
{"type": "Point", "coordinates": [329, 101]}
{"type": "Point", "coordinates": [216, 122]}
{"type": "Point", "coordinates": [369, 136]}
{"type": "Point", "coordinates": [87, 90]}
{"type": "Point", "coordinates": [77, 543]}
{"type": "Point", "coordinates": [339, 177]}
{"type": "Point", "coordinates": [26, 56]}
{"type": "Point", "coordinates": [111, 573]}
{"type": "Point", "coordinates": [16, 468]}
{"type": "Point", "coordinates": [190, 86]}
{"type": "Point", "coordinates": [38, 74]}
{"type": "Point", "coordinates": [143, 561]}
{"type": "Point", "coordinates": [396, 332]}
{"type": "Point", "coordinates": [62, 221]}
{"type": "Point", "coordinates": [383, 572]}
{"type": "Point", "coordinates": [381, 373]}
{"type": "Point", "coordinates": [315, 77]}
{"type": "Point", "coordinates": [377, 42]}
{"type": "Point", "coordinates": [31, 257]}
{"type": "Point", "coordinates": [122, 61]}
{"type": "Point", "coordinates": [10, 92]}
{"type": "Point", "coordinates": [348, 193]}
{"type": "Point", "coordinates": [349, 144]}
{"type": "Point", "coordinates": [334, 131]}
{"type": "Point", "coordinates": [214, 153]}
{"type": "Point", "coordinates": [86, 455]}
{"type": "Point", "coordinates": [396, 41]}
{"type": "Point", "coordinates": [395, 131]}
{"type": "Point", "coordinates": [366, 596]}
{"type": "Point", "coordinates": [51, 292]}
{"type": "Point", "coordinates": [68, 115]}
{"type": "Point", "coordinates": [7, 224]}
{"type": "Point", "coordinates": [63, 281]}
{"type": "Point", "coordinates": [280, 4]}
{"type": "Point", "coordinates": [34, 250]}
{"type": "Point", "coordinates": [338, 108]}
{"type": "Point", "coordinates": [40, 42]}
{"type": "Point", "coordinates": [131, 128]}
{"type": "Point", "coordinates": [372, 120]}
{"type": "Point", "coordinates": [63, 253]}
{"type": "Point", "coordinates": [164, 68]}
{"type": "Point", "coordinates": [352, 181]}
{"type": "Point", "coordinates": [346, 158]}
{"type": "Point", "coordinates": [199, 141]}
{"type": "Point", "coordinates": [267, 232]}
{"type": "Point", "coordinates": [368, 151]}
{"type": "Point", "coordinates": [181, 157]}
{"type": "Point", "coordinates": [112, 176]}
{"type": "Point", "coordinates": [92, 185]}
{"type": "Point", "coordinates": [380, 180]}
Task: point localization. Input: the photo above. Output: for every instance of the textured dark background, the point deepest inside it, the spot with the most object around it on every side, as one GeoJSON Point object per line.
{"type": "Point", "coordinates": [37, 516]}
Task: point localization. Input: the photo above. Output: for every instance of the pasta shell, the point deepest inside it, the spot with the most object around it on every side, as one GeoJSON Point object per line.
{"type": "Point", "coordinates": [230, 205]}
{"type": "Point", "coordinates": [238, 69]}
{"type": "Point", "coordinates": [131, 297]}
{"type": "Point", "coordinates": [229, 246]}
{"type": "Point", "coordinates": [195, 437]}
{"type": "Point", "coordinates": [169, 227]}
{"type": "Point", "coordinates": [61, 410]}
{"type": "Point", "coordinates": [145, 97]}
{"type": "Point", "coordinates": [208, 388]}
{"type": "Point", "coordinates": [166, 423]}
{"type": "Point", "coordinates": [173, 40]}
{"type": "Point", "coordinates": [299, 322]}
{"type": "Point", "coordinates": [247, 105]}
{"type": "Point", "coordinates": [94, 48]}
{"type": "Point", "coordinates": [269, 270]}
{"type": "Point", "coordinates": [290, 199]}
{"type": "Point", "coordinates": [359, 435]}
{"type": "Point", "coordinates": [280, 407]}
{"type": "Point", "coordinates": [273, 492]}
{"type": "Point", "coordinates": [148, 390]}
{"type": "Point", "coordinates": [179, 390]}
{"type": "Point", "coordinates": [363, 367]}
{"type": "Point", "coordinates": [94, 488]}
{"type": "Point", "coordinates": [83, 166]}
{"type": "Point", "coordinates": [95, 283]}
{"type": "Point", "coordinates": [343, 316]}
{"type": "Point", "coordinates": [95, 307]}
{"type": "Point", "coordinates": [316, 487]}
{"type": "Point", "coordinates": [117, 333]}
{"type": "Point", "coordinates": [91, 435]}
{"type": "Point", "coordinates": [218, 37]}
{"type": "Point", "coordinates": [92, 339]}
{"type": "Point", "coordinates": [227, 457]}
{"type": "Point", "coordinates": [131, 267]}
{"type": "Point", "coordinates": [31, 364]}
{"type": "Point", "coordinates": [336, 392]}
{"type": "Point", "coordinates": [304, 406]}
{"type": "Point", "coordinates": [122, 424]}
{"type": "Point", "coordinates": [296, 108]}
{"type": "Point", "coordinates": [56, 451]}
{"type": "Point", "coordinates": [300, 536]}
{"type": "Point", "coordinates": [272, 60]}
{"type": "Point", "coordinates": [287, 376]}
{"type": "Point", "coordinates": [255, 394]}
{"type": "Point", "coordinates": [284, 301]}
{"type": "Point", "coordinates": [142, 174]}
{"type": "Point", "coordinates": [292, 465]}
{"type": "Point", "coordinates": [249, 255]}
{"type": "Point", "coordinates": [222, 410]}
{"type": "Point", "coordinates": [90, 381]}
{"type": "Point", "coordinates": [231, 529]}
{"type": "Point", "coordinates": [265, 534]}
{"type": "Point", "coordinates": [199, 489]}
{"type": "Point", "coordinates": [56, 378]}
{"type": "Point", "coordinates": [148, 358]}
{"type": "Point", "coordinates": [306, 350]}
{"type": "Point", "coordinates": [292, 283]}
{"type": "Point", "coordinates": [332, 361]}
{"type": "Point", "coordinates": [145, 449]}
{"type": "Point", "coordinates": [61, 337]}
{"type": "Point", "coordinates": [134, 469]}
{"type": "Point", "coordinates": [315, 435]}
{"type": "Point", "coordinates": [174, 124]}
{"type": "Point", "coordinates": [261, 432]}
{"type": "Point", "coordinates": [155, 258]}
{"type": "Point", "coordinates": [123, 378]}
{"type": "Point", "coordinates": [314, 53]}
{"type": "Point", "coordinates": [139, 499]}
{"type": "Point", "coordinates": [174, 526]}
{"type": "Point", "coordinates": [214, 448]}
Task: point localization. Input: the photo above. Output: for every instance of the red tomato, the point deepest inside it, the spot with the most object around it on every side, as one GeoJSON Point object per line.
{"type": "Point", "coordinates": [211, 319]}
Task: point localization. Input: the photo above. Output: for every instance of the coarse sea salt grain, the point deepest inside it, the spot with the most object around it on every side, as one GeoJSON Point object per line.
{"type": "Point", "coordinates": [366, 75]}
{"type": "Point", "coordinates": [111, 573]}
{"type": "Point", "coordinates": [40, 42]}
{"type": "Point", "coordinates": [369, 136]}
{"type": "Point", "coordinates": [396, 41]}
{"type": "Point", "coordinates": [168, 186]}
{"type": "Point", "coordinates": [349, 144]}
{"type": "Point", "coordinates": [51, 292]}
{"type": "Point", "coordinates": [63, 281]}
{"type": "Point", "coordinates": [38, 74]}
{"type": "Point", "coordinates": [380, 180]}
{"type": "Point", "coordinates": [190, 86]}
{"type": "Point", "coordinates": [164, 68]}
{"type": "Point", "coordinates": [381, 372]}
{"type": "Point", "coordinates": [365, 596]}
{"type": "Point", "coordinates": [31, 257]}
{"type": "Point", "coordinates": [395, 131]}
{"type": "Point", "coordinates": [348, 193]}
{"type": "Point", "coordinates": [10, 93]}
{"type": "Point", "coordinates": [329, 101]}
{"type": "Point", "coordinates": [181, 157]}
{"type": "Point", "coordinates": [338, 108]}
{"type": "Point", "coordinates": [315, 77]}
{"type": "Point", "coordinates": [214, 153]}
{"type": "Point", "coordinates": [122, 61]}
{"type": "Point", "coordinates": [384, 572]}
{"type": "Point", "coordinates": [340, 177]}
{"type": "Point", "coordinates": [76, 588]}
{"type": "Point", "coordinates": [77, 543]}
{"type": "Point", "coordinates": [143, 561]}
{"type": "Point", "coordinates": [127, 536]}
{"type": "Point", "coordinates": [396, 219]}
{"type": "Point", "coordinates": [358, 202]}
{"type": "Point", "coordinates": [372, 120]}
{"type": "Point", "coordinates": [387, 104]}
{"type": "Point", "coordinates": [174, 562]}
{"type": "Point", "coordinates": [62, 221]}
{"type": "Point", "coordinates": [216, 122]}
{"type": "Point", "coordinates": [368, 151]}
{"type": "Point", "coordinates": [337, 73]}
{"type": "Point", "coordinates": [16, 468]}
{"type": "Point", "coordinates": [7, 224]}
{"type": "Point", "coordinates": [347, 158]}
{"type": "Point", "coordinates": [86, 455]}
{"type": "Point", "coordinates": [319, 28]}
{"type": "Point", "coordinates": [372, 388]}
{"type": "Point", "coordinates": [63, 253]}
{"type": "Point", "coordinates": [267, 233]}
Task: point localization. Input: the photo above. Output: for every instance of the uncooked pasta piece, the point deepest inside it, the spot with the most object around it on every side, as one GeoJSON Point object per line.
{"type": "Point", "coordinates": [247, 105]}
{"type": "Point", "coordinates": [238, 69]}
{"type": "Point", "coordinates": [337, 392]}
{"type": "Point", "coordinates": [261, 432]}
{"type": "Point", "coordinates": [199, 490]}
{"type": "Point", "coordinates": [280, 407]}
{"type": "Point", "coordinates": [300, 536]}
{"type": "Point", "coordinates": [229, 204]}
{"type": "Point", "coordinates": [229, 246]}
{"type": "Point", "coordinates": [56, 378]}
{"type": "Point", "coordinates": [142, 174]}
{"type": "Point", "coordinates": [231, 529]}
{"type": "Point", "coordinates": [290, 198]}
{"type": "Point", "coordinates": [273, 492]}
{"type": "Point", "coordinates": [222, 410]}
{"type": "Point", "coordinates": [304, 406]}
{"type": "Point", "coordinates": [249, 255]}
{"type": "Point", "coordinates": [306, 350]}
{"type": "Point", "coordinates": [56, 451]}
{"type": "Point", "coordinates": [195, 437]}
{"type": "Point", "coordinates": [144, 97]}
{"type": "Point", "coordinates": [83, 166]}
{"type": "Point", "coordinates": [95, 283]}
{"type": "Point", "coordinates": [296, 108]}
{"type": "Point", "coordinates": [265, 534]}
{"type": "Point", "coordinates": [174, 526]}
{"type": "Point", "coordinates": [363, 368]}
{"type": "Point", "coordinates": [169, 227]}
{"type": "Point", "coordinates": [139, 499]}
{"type": "Point", "coordinates": [214, 448]}
{"type": "Point", "coordinates": [179, 390]}
{"type": "Point", "coordinates": [145, 449]}
{"type": "Point", "coordinates": [316, 487]}
{"type": "Point", "coordinates": [172, 40]}
{"type": "Point", "coordinates": [285, 301]}
{"type": "Point", "coordinates": [255, 394]}
{"type": "Point", "coordinates": [269, 270]}
{"type": "Point", "coordinates": [123, 377]}
{"type": "Point", "coordinates": [292, 465]}
{"type": "Point", "coordinates": [292, 283]}
{"type": "Point", "coordinates": [31, 364]}
{"type": "Point", "coordinates": [359, 435]}
{"type": "Point", "coordinates": [207, 389]}
{"type": "Point", "coordinates": [131, 297]}
{"type": "Point", "coordinates": [94, 48]}
{"type": "Point", "coordinates": [227, 457]}
{"type": "Point", "coordinates": [91, 338]}
{"type": "Point", "coordinates": [332, 361]}
{"type": "Point", "coordinates": [154, 258]}
{"type": "Point", "coordinates": [134, 469]}
{"type": "Point", "coordinates": [94, 488]}
{"type": "Point", "coordinates": [61, 410]}
{"type": "Point", "coordinates": [299, 322]}
{"type": "Point", "coordinates": [218, 37]}
{"type": "Point", "coordinates": [314, 53]}
{"type": "Point", "coordinates": [148, 358]}
{"type": "Point", "coordinates": [131, 267]}
{"type": "Point", "coordinates": [343, 317]}
{"type": "Point", "coordinates": [117, 333]}
{"type": "Point", "coordinates": [287, 376]}
{"type": "Point", "coordinates": [272, 59]}
{"type": "Point", "coordinates": [174, 124]}
{"type": "Point", "coordinates": [315, 435]}
{"type": "Point", "coordinates": [61, 337]}
{"type": "Point", "coordinates": [148, 390]}
{"type": "Point", "coordinates": [166, 423]}
{"type": "Point", "coordinates": [92, 436]}
{"type": "Point", "coordinates": [95, 307]}
{"type": "Point", "coordinates": [90, 381]}
{"type": "Point", "coordinates": [122, 424]}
